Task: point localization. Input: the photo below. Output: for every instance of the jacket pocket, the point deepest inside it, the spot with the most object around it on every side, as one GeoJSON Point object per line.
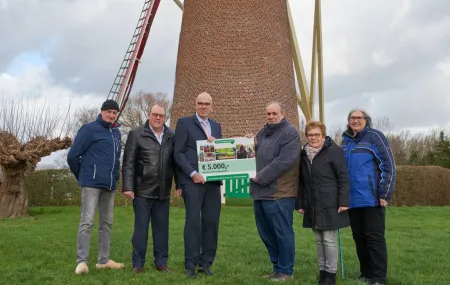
{"type": "Point", "coordinates": [372, 187]}
{"type": "Point", "coordinates": [95, 172]}
{"type": "Point", "coordinates": [328, 198]}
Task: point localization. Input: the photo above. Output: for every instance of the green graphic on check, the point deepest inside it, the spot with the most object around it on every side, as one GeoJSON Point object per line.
{"type": "Point", "coordinates": [224, 159]}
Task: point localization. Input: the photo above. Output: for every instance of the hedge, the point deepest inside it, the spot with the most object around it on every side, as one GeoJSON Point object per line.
{"type": "Point", "coordinates": [58, 187]}
{"type": "Point", "coordinates": [415, 186]}
{"type": "Point", "coordinates": [422, 186]}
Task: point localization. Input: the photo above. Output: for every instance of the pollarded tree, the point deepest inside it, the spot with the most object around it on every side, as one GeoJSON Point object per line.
{"type": "Point", "coordinates": [28, 132]}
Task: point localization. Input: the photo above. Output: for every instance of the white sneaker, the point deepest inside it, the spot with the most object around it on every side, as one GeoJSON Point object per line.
{"type": "Point", "coordinates": [82, 268]}
{"type": "Point", "coordinates": [111, 264]}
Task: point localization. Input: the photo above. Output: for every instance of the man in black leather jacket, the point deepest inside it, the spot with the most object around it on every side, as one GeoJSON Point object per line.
{"type": "Point", "coordinates": [148, 169]}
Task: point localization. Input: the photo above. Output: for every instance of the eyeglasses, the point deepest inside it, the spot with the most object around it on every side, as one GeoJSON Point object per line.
{"type": "Point", "coordinates": [314, 135]}
{"type": "Point", "coordinates": [157, 116]}
{"type": "Point", "coordinates": [357, 118]}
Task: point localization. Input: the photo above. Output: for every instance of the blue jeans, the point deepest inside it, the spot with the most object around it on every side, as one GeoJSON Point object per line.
{"type": "Point", "coordinates": [274, 220]}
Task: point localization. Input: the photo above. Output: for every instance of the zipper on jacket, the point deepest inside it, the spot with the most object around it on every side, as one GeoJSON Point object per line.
{"type": "Point", "coordinates": [114, 157]}
{"type": "Point", "coordinates": [95, 171]}
{"type": "Point", "coordinates": [161, 182]}
{"type": "Point", "coordinates": [372, 187]}
{"type": "Point", "coordinates": [161, 172]}
{"type": "Point", "coordinates": [311, 192]}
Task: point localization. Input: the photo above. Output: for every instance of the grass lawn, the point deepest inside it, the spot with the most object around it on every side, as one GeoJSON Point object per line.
{"type": "Point", "coordinates": [41, 249]}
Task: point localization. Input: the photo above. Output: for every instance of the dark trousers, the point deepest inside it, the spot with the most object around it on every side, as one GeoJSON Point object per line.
{"type": "Point", "coordinates": [158, 212]}
{"type": "Point", "coordinates": [201, 229]}
{"type": "Point", "coordinates": [274, 221]}
{"type": "Point", "coordinates": [368, 227]}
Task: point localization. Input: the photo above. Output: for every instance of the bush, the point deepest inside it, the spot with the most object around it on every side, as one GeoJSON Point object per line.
{"type": "Point", "coordinates": [422, 186]}
{"type": "Point", "coordinates": [415, 186]}
{"type": "Point", "coordinates": [58, 187]}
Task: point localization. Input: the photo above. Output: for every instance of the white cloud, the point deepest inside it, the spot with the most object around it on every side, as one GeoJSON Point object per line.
{"type": "Point", "coordinates": [404, 9]}
{"type": "Point", "coordinates": [380, 58]}
{"type": "Point", "coordinates": [36, 82]}
{"type": "Point", "coordinates": [334, 64]}
{"type": "Point", "coordinates": [389, 57]}
{"type": "Point", "coordinates": [36, 89]}
{"type": "Point", "coordinates": [3, 4]}
{"type": "Point", "coordinates": [444, 66]}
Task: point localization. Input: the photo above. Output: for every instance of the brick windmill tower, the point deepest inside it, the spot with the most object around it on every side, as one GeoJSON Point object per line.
{"type": "Point", "coordinates": [240, 52]}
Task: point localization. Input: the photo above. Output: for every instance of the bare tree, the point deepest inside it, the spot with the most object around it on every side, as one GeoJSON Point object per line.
{"type": "Point", "coordinates": [136, 111]}
{"type": "Point", "coordinates": [27, 133]}
{"type": "Point", "coordinates": [302, 126]}
{"type": "Point", "coordinates": [137, 108]}
{"type": "Point", "coordinates": [84, 116]}
{"type": "Point", "coordinates": [399, 146]}
{"type": "Point", "coordinates": [335, 132]}
{"type": "Point", "coordinates": [383, 124]}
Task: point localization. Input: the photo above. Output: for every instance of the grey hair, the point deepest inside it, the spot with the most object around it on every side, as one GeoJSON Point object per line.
{"type": "Point", "coordinates": [366, 115]}
{"type": "Point", "coordinates": [159, 105]}
{"type": "Point", "coordinates": [278, 103]}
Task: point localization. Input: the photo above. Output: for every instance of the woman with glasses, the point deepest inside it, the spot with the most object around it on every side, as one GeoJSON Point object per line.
{"type": "Point", "coordinates": [323, 196]}
{"type": "Point", "coordinates": [371, 169]}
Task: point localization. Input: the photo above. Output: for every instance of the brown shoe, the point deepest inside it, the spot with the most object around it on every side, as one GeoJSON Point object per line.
{"type": "Point", "coordinates": [162, 268]}
{"type": "Point", "coordinates": [269, 276]}
{"type": "Point", "coordinates": [138, 270]}
{"type": "Point", "coordinates": [281, 277]}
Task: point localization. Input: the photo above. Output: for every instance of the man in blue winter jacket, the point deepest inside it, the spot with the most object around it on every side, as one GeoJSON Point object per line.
{"type": "Point", "coordinates": [94, 160]}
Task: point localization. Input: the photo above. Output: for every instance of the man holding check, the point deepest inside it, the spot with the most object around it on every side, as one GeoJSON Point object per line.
{"type": "Point", "coordinates": [202, 199]}
{"type": "Point", "coordinates": [274, 189]}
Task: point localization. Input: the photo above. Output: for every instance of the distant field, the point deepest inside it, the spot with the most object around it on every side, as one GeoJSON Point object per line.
{"type": "Point", "coordinates": [41, 249]}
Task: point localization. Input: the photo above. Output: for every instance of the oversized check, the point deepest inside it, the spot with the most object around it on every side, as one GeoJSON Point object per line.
{"type": "Point", "coordinates": [224, 159]}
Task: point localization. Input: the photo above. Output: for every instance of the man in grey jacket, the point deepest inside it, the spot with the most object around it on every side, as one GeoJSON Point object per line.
{"type": "Point", "coordinates": [275, 189]}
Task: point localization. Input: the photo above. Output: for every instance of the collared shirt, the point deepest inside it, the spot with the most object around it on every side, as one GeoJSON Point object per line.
{"type": "Point", "coordinates": [208, 125]}
{"type": "Point", "coordinates": [159, 138]}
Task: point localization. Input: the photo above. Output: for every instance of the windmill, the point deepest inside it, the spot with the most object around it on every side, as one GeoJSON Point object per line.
{"type": "Point", "coordinates": [225, 35]}
{"type": "Point", "coordinates": [242, 52]}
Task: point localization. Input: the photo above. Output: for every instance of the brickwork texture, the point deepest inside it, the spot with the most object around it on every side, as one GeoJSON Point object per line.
{"type": "Point", "coordinates": [239, 51]}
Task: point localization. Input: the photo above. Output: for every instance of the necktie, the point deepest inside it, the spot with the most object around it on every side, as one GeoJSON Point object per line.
{"type": "Point", "coordinates": [205, 128]}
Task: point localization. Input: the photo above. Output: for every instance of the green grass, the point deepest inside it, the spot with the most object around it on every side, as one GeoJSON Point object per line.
{"type": "Point", "coordinates": [41, 249]}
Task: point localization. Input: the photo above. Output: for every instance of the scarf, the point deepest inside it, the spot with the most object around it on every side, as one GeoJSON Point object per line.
{"type": "Point", "coordinates": [311, 152]}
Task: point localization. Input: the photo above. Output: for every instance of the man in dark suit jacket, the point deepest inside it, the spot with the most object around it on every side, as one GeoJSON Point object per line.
{"type": "Point", "coordinates": [202, 199]}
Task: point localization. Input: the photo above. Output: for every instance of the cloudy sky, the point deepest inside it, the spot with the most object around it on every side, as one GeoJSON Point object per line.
{"type": "Point", "coordinates": [391, 57]}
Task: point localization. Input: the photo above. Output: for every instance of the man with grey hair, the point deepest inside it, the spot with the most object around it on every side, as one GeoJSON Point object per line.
{"type": "Point", "coordinates": [371, 169]}
{"type": "Point", "coordinates": [148, 169]}
{"type": "Point", "coordinates": [274, 189]}
{"type": "Point", "coordinates": [94, 160]}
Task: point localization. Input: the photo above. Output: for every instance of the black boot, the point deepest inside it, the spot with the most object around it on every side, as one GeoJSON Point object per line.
{"type": "Point", "coordinates": [330, 279]}
{"type": "Point", "coordinates": [321, 277]}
